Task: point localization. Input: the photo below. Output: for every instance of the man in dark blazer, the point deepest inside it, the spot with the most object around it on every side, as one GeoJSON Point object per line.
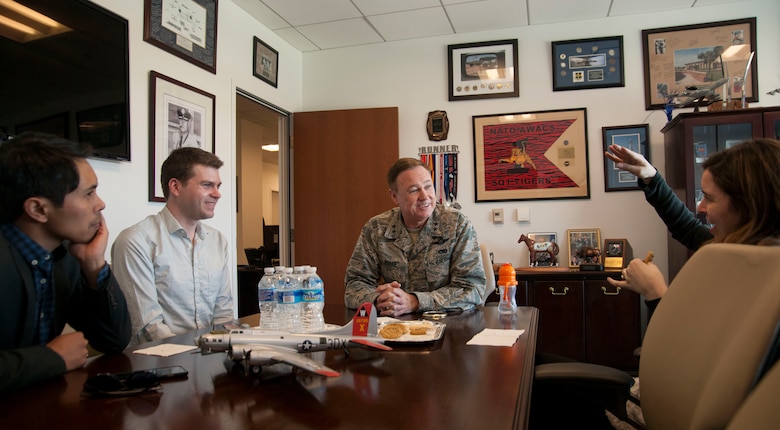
{"type": "Point", "coordinates": [52, 267]}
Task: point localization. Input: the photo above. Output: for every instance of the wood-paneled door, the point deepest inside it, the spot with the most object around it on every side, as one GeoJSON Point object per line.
{"type": "Point", "coordinates": [339, 165]}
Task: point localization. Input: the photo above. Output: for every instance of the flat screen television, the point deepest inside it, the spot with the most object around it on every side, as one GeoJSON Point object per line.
{"type": "Point", "coordinates": [71, 81]}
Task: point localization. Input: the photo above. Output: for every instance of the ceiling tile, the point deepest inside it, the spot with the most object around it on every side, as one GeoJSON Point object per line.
{"type": "Point", "coordinates": [296, 39]}
{"type": "Point", "coordinates": [326, 24]}
{"type": "Point", "coordinates": [335, 34]}
{"type": "Point", "coordinates": [487, 15]}
{"type": "Point", "coordinates": [630, 7]}
{"type": "Point", "coordinates": [262, 13]}
{"type": "Point", "coordinates": [377, 7]}
{"type": "Point", "coordinates": [549, 11]}
{"type": "Point", "coordinates": [303, 12]}
{"type": "Point", "coordinates": [412, 24]}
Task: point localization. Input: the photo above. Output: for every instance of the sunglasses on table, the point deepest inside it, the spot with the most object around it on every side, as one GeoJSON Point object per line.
{"type": "Point", "coordinates": [125, 384]}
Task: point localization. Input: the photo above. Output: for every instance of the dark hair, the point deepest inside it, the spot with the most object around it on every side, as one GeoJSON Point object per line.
{"type": "Point", "coordinates": [180, 162]}
{"type": "Point", "coordinates": [748, 174]}
{"type": "Point", "coordinates": [37, 165]}
{"type": "Point", "coordinates": [402, 165]}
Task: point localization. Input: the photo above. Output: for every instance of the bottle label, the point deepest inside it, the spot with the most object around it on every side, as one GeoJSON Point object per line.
{"type": "Point", "coordinates": [266, 295]}
{"type": "Point", "coordinates": [312, 296]}
{"type": "Point", "coordinates": [288, 297]}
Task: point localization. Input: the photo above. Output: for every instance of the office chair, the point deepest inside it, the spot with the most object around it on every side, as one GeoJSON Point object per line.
{"type": "Point", "coordinates": [490, 276]}
{"type": "Point", "coordinates": [706, 346]}
{"type": "Point", "coordinates": [759, 411]}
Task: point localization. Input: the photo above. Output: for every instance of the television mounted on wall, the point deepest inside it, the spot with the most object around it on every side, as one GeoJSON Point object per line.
{"type": "Point", "coordinates": [65, 71]}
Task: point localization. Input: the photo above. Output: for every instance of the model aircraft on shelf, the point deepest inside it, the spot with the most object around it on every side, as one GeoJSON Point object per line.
{"type": "Point", "coordinates": [698, 95]}
{"type": "Point", "coordinates": [256, 348]}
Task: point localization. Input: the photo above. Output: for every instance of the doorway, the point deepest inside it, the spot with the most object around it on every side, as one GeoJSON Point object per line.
{"type": "Point", "coordinates": [262, 181]}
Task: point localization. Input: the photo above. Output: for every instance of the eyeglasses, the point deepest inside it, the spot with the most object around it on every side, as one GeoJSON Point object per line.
{"type": "Point", "coordinates": [440, 314]}
{"type": "Point", "coordinates": [124, 384]}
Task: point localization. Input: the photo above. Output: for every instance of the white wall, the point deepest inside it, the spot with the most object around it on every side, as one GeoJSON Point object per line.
{"type": "Point", "coordinates": [412, 75]}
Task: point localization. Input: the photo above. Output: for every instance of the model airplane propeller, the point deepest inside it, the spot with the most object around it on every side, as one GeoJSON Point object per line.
{"type": "Point", "coordinates": [256, 348]}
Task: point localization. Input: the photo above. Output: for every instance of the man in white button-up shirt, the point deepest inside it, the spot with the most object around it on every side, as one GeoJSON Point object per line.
{"type": "Point", "coordinates": [173, 269]}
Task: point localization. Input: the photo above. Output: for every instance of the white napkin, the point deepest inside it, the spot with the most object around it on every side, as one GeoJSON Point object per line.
{"type": "Point", "coordinates": [165, 349]}
{"type": "Point", "coordinates": [495, 337]}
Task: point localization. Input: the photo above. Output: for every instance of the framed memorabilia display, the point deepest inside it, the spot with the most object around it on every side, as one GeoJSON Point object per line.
{"type": "Point", "coordinates": [483, 70]}
{"type": "Point", "coordinates": [531, 155]}
{"type": "Point", "coordinates": [180, 115]}
{"type": "Point", "coordinates": [617, 253]}
{"type": "Point", "coordinates": [184, 28]}
{"type": "Point", "coordinates": [710, 57]}
{"type": "Point", "coordinates": [580, 242]}
{"type": "Point", "coordinates": [588, 63]}
{"type": "Point", "coordinates": [266, 62]}
{"type": "Point", "coordinates": [633, 137]}
{"type": "Point", "coordinates": [438, 125]}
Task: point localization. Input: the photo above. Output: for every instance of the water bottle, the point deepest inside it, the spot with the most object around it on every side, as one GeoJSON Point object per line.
{"type": "Point", "coordinates": [288, 301]}
{"type": "Point", "coordinates": [266, 296]}
{"type": "Point", "coordinates": [313, 301]}
{"type": "Point", "coordinates": [507, 286]}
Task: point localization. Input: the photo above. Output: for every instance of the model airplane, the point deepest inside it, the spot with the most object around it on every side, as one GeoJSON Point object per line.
{"type": "Point", "coordinates": [698, 95]}
{"type": "Point", "coordinates": [256, 348]}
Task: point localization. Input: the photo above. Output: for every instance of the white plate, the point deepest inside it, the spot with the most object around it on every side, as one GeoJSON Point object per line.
{"type": "Point", "coordinates": [434, 330]}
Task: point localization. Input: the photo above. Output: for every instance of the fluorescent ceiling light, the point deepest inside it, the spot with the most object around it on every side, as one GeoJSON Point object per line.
{"type": "Point", "coordinates": [22, 24]}
{"type": "Point", "coordinates": [270, 148]}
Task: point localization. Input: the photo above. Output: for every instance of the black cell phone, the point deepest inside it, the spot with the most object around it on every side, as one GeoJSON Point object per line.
{"type": "Point", "coordinates": [163, 373]}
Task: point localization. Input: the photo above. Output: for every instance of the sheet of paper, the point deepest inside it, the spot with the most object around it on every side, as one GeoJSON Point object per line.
{"type": "Point", "coordinates": [495, 337]}
{"type": "Point", "coordinates": [165, 350]}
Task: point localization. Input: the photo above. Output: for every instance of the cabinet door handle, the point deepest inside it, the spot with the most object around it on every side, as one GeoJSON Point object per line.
{"type": "Point", "coordinates": [565, 290]}
{"type": "Point", "coordinates": [604, 290]}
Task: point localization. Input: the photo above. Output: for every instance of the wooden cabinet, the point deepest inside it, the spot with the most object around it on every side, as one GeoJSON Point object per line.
{"type": "Point", "coordinates": [581, 316]}
{"type": "Point", "coordinates": [690, 138]}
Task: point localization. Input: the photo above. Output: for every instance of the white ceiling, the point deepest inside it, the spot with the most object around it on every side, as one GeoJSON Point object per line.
{"type": "Point", "coordinates": [312, 25]}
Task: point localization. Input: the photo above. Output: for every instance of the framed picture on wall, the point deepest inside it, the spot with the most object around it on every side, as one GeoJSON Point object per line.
{"type": "Point", "coordinates": [483, 70]}
{"type": "Point", "coordinates": [588, 63]}
{"type": "Point", "coordinates": [712, 56]}
{"type": "Point", "coordinates": [580, 242]}
{"type": "Point", "coordinates": [266, 62]}
{"type": "Point", "coordinates": [184, 28]}
{"type": "Point", "coordinates": [531, 155]}
{"type": "Point", "coordinates": [180, 116]}
{"type": "Point", "coordinates": [633, 137]}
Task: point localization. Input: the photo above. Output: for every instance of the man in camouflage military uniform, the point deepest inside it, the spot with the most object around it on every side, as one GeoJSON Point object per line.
{"type": "Point", "coordinates": [418, 256]}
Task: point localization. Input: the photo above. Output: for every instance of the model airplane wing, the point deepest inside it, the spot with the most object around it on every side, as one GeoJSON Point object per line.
{"type": "Point", "coordinates": [259, 355]}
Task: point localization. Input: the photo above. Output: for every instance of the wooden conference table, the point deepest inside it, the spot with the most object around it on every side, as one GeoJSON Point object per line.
{"type": "Point", "coordinates": [447, 384]}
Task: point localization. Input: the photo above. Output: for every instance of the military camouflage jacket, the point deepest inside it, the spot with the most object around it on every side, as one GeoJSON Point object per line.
{"type": "Point", "coordinates": [443, 268]}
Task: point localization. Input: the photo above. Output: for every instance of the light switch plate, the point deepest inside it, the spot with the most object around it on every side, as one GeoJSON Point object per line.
{"type": "Point", "coordinates": [523, 214]}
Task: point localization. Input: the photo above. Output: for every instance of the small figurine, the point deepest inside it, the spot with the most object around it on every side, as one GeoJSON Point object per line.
{"type": "Point", "coordinates": [589, 255]}
{"type": "Point", "coordinates": [536, 250]}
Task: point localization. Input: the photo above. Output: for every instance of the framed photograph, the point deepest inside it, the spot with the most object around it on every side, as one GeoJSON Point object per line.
{"type": "Point", "coordinates": [531, 155]}
{"type": "Point", "coordinates": [180, 115]}
{"type": "Point", "coordinates": [184, 28]}
{"type": "Point", "coordinates": [707, 58]}
{"type": "Point", "coordinates": [266, 62]}
{"type": "Point", "coordinates": [633, 137]}
{"type": "Point", "coordinates": [483, 70]}
{"type": "Point", "coordinates": [580, 240]}
{"type": "Point", "coordinates": [542, 243]}
{"type": "Point", "coordinates": [588, 63]}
